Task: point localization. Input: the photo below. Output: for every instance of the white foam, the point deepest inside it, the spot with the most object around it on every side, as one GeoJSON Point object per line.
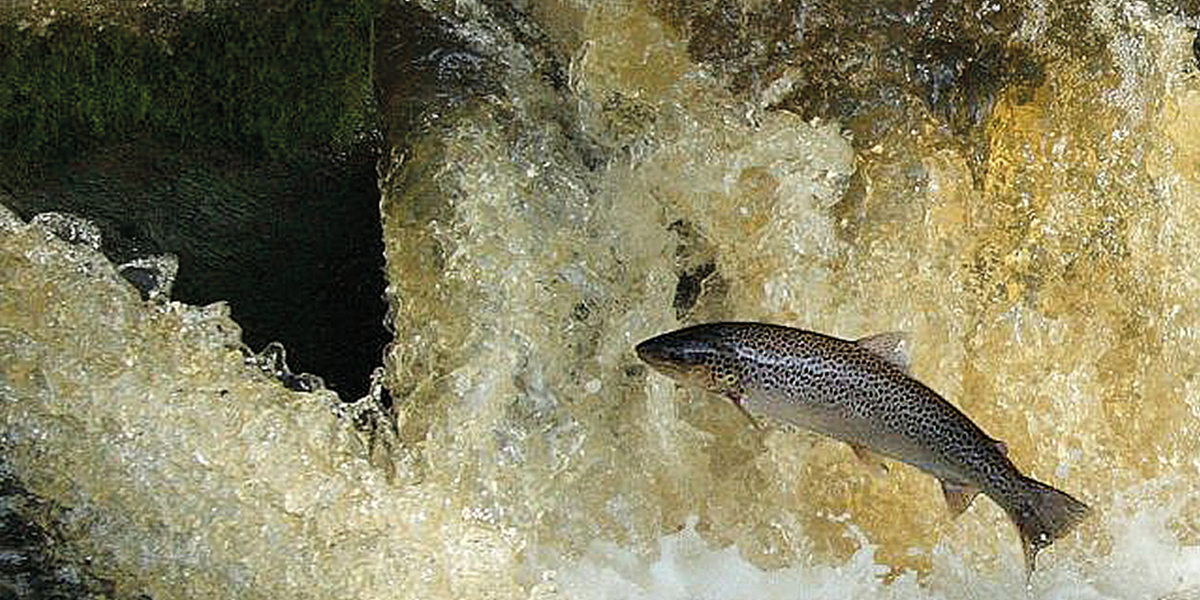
{"type": "Point", "coordinates": [1146, 560]}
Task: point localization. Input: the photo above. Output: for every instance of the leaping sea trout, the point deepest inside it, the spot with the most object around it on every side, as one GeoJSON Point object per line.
{"type": "Point", "coordinates": [860, 392]}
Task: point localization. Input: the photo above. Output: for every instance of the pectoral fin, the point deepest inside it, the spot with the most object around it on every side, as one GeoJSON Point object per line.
{"type": "Point", "coordinates": [737, 401]}
{"type": "Point", "coordinates": [891, 346]}
{"type": "Point", "coordinates": [958, 497]}
{"type": "Point", "coordinates": [872, 460]}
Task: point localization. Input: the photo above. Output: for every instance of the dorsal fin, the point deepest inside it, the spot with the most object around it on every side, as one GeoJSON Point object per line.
{"type": "Point", "coordinates": [891, 346]}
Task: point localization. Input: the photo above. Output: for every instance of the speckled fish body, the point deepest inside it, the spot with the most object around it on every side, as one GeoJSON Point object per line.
{"type": "Point", "coordinates": [860, 392]}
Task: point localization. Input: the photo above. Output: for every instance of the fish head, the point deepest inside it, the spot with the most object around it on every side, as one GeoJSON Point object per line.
{"type": "Point", "coordinates": [693, 357]}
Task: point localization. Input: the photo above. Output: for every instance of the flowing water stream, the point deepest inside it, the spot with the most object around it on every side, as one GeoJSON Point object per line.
{"type": "Point", "coordinates": [1043, 264]}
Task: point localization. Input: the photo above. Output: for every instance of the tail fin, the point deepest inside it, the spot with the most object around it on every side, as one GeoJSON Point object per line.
{"type": "Point", "coordinates": [1043, 514]}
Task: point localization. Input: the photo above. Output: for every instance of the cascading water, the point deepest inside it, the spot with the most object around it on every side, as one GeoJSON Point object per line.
{"type": "Point", "coordinates": [1044, 271]}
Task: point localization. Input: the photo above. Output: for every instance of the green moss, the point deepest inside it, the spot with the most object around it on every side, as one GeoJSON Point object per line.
{"type": "Point", "coordinates": [275, 80]}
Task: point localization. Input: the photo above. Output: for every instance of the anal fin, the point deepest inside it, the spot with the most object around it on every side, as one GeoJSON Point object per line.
{"type": "Point", "coordinates": [872, 460]}
{"type": "Point", "coordinates": [958, 497]}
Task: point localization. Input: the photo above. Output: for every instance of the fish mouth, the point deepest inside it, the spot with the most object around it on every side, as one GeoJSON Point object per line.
{"type": "Point", "coordinates": [665, 356]}
{"type": "Point", "coordinates": [666, 351]}
{"type": "Point", "coordinates": [673, 356]}
{"type": "Point", "coordinates": [665, 359]}
{"type": "Point", "coordinates": [652, 352]}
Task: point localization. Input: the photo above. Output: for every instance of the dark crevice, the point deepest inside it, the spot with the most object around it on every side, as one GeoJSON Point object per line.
{"type": "Point", "coordinates": [687, 290]}
{"type": "Point", "coordinates": [242, 141]}
{"type": "Point", "coordinates": [295, 250]}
